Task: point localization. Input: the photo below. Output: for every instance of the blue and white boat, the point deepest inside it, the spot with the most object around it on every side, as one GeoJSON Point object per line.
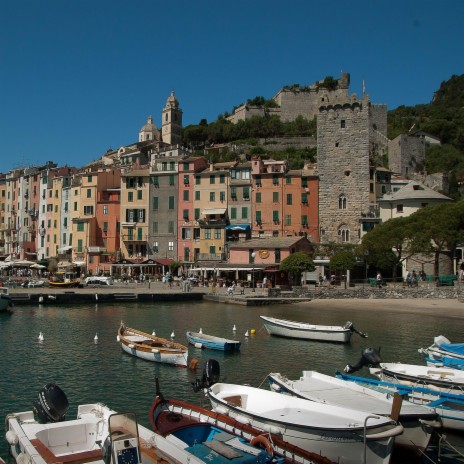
{"type": "Point", "coordinates": [449, 406]}
{"type": "Point", "coordinates": [211, 342]}
{"type": "Point", "coordinates": [443, 349]}
{"type": "Point", "coordinates": [453, 363]}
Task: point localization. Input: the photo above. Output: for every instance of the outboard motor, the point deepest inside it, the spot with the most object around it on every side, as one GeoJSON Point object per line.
{"type": "Point", "coordinates": [370, 357]}
{"type": "Point", "coordinates": [349, 325]}
{"type": "Point", "coordinates": [210, 376]}
{"type": "Point", "coordinates": [51, 405]}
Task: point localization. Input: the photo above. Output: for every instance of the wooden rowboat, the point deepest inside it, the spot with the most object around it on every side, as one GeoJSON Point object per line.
{"type": "Point", "coordinates": [150, 347]}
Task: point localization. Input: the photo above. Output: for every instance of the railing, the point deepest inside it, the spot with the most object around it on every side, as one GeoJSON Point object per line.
{"type": "Point", "coordinates": [211, 256]}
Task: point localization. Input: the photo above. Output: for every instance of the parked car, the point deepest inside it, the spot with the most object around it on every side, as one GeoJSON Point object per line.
{"type": "Point", "coordinates": [98, 280]}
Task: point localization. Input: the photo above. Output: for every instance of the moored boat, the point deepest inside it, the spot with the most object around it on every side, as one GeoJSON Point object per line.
{"type": "Point", "coordinates": [418, 422]}
{"type": "Point", "coordinates": [98, 435]}
{"type": "Point", "coordinates": [303, 330]}
{"type": "Point", "coordinates": [200, 430]}
{"type": "Point", "coordinates": [449, 406]}
{"type": "Point", "coordinates": [443, 348]}
{"type": "Point", "coordinates": [341, 434]}
{"type": "Point", "coordinates": [150, 347]}
{"type": "Point", "coordinates": [64, 280]}
{"type": "Point", "coordinates": [443, 378]}
{"type": "Point", "coordinates": [201, 340]}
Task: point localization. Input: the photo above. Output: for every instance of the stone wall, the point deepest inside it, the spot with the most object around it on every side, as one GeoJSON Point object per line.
{"type": "Point", "coordinates": [406, 155]}
{"type": "Point", "coordinates": [284, 143]}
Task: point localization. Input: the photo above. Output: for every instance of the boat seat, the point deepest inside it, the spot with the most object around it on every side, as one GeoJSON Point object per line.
{"type": "Point", "coordinates": [74, 458]}
{"type": "Point", "coordinates": [234, 400]}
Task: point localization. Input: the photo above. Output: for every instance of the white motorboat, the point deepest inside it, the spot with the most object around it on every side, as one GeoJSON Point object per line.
{"type": "Point", "coordinates": [418, 422]}
{"type": "Point", "coordinates": [303, 330]}
{"type": "Point", "coordinates": [343, 435]}
{"type": "Point", "coordinates": [441, 378]}
{"type": "Point", "coordinates": [98, 435]}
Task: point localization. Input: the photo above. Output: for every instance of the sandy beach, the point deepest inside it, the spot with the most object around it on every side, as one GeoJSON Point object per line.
{"type": "Point", "coordinates": [451, 308]}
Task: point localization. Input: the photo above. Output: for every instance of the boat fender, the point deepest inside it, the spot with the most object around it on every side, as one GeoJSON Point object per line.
{"type": "Point", "coordinates": [434, 424]}
{"type": "Point", "coordinates": [11, 437]}
{"type": "Point", "coordinates": [198, 345]}
{"type": "Point", "coordinates": [118, 339]}
{"type": "Point", "coordinates": [221, 410]}
{"type": "Point", "coordinates": [154, 350]}
{"type": "Point", "coordinates": [242, 419]}
{"type": "Point", "coordinates": [389, 433]}
{"type": "Point", "coordinates": [131, 346]}
{"type": "Point", "coordinates": [262, 440]}
{"type": "Point", "coordinates": [272, 429]}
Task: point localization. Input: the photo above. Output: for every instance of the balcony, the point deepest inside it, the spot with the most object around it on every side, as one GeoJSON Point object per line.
{"type": "Point", "coordinates": [213, 222]}
{"type": "Point", "coordinates": [211, 257]}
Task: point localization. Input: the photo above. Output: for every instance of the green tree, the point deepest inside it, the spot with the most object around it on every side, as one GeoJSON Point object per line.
{"type": "Point", "coordinates": [343, 261]}
{"type": "Point", "coordinates": [297, 263]}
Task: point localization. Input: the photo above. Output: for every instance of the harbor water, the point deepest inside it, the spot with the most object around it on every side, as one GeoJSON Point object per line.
{"type": "Point", "coordinates": [90, 371]}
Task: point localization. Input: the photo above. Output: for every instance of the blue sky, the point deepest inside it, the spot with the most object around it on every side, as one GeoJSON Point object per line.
{"type": "Point", "coordinates": [80, 76]}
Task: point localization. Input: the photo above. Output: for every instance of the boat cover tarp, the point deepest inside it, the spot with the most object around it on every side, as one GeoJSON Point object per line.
{"type": "Point", "coordinates": [456, 348]}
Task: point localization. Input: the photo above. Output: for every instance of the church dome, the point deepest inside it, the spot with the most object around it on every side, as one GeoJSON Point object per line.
{"type": "Point", "coordinates": [149, 126]}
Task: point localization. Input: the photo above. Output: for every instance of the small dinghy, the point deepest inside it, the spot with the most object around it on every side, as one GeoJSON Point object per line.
{"type": "Point", "coordinates": [442, 350]}
{"type": "Point", "coordinates": [201, 340]}
{"type": "Point", "coordinates": [305, 331]}
{"type": "Point", "coordinates": [150, 347]}
{"type": "Point", "coordinates": [418, 422]}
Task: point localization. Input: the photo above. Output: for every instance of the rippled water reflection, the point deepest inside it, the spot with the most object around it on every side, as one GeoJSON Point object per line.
{"type": "Point", "coordinates": [90, 372]}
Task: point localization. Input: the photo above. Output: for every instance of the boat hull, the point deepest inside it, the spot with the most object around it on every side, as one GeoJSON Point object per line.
{"type": "Point", "coordinates": [71, 284]}
{"type": "Point", "coordinates": [211, 342]}
{"type": "Point", "coordinates": [151, 348]}
{"type": "Point", "coordinates": [340, 444]}
{"type": "Point", "coordinates": [290, 329]}
{"type": "Point", "coordinates": [5, 303]}
{"type": "Point", "coordinates": [418, 422]}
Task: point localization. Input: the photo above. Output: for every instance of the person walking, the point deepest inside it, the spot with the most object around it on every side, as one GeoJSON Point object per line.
{"type": "Point", "coordinates": [379, 280]}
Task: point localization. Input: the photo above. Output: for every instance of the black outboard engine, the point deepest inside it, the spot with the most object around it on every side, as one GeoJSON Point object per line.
{"type": "Point", "coordinates": [349, 325]}
{"type": "Point", "coordinates": [370, 357]}
{"type": "Point", "coordinates": [51, 405]}
{"type": "Point", "coordinates": [211, 373]}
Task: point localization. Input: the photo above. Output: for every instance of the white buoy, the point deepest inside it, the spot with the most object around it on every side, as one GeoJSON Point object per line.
{"type": "Point", "coordinates": [96, 296]}
{"type": "Point", "coordinates": [246, 334]}
{"type": "Point", "coordinates": [234, 328]}
{"type": "Point", "coordinates": [200, 331]}
{"type": "Point", "coordinates": [173, 335]}
{"type": "Point", "coordinates": [41, 337]}
{"type": "Point", "coordinates": [154, 333]}
{"type": "Point", "coordinates": [95, 339]}
{"type": "Point", "coordinates": [41, 299]}
{"type": "Point", "coordinates": [51, 297]}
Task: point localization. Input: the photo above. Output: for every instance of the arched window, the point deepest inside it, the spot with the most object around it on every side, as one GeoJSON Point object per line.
{"type": "Point", "coordinates": [342, 201]}
{"type": "Point", "coordinates": [344, 234]}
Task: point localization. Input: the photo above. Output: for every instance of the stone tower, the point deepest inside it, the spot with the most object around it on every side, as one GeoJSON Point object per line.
{"type": "Point", "coordinates": [344, 135]}
{"type": "Point", "coordinates": [172, 121]}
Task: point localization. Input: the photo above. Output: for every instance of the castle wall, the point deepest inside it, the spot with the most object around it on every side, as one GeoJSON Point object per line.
{"type": "Point", "coordinates": [406, 155]}
{"type": "Point", "coordinates": [343, 168]}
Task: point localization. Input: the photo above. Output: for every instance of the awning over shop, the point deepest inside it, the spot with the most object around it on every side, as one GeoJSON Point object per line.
{"type": "Point", "coordinates": [79, 263]}
{"type": "Point", "coordinates": [243, 227]}
{"type": "Point", "coordinates": [65, 248]}
{"type": "Point", "coordinates": [213, 211]}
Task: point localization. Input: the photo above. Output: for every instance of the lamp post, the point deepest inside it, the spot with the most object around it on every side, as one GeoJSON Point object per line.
{"type": "Point", "coordinates": [253, 272]}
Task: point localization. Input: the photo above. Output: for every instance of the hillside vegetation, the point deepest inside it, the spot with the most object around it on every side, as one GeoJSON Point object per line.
{"type": "Point", "coordinates": [443, 117]}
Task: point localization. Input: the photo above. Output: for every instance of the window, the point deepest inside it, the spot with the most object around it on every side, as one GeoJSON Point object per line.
{"type": "Point", "coordinates": [233, 213]}
{"type": "Point", "coordinates": [171, 202]}
{"type": "Point", "coordinates": [234, 174]}
{"type": "Point", "coordinates": [289, 198]}
{"type": "Point", "coordinates": [186, 166]}
{"type": "Point", "coordinates": [344, 234]}
{"type": "Point", "coordinates": [196, 213]}
{"type": "Point", "coordinates": [304, 198]}
{"type": "Point", "coordinates": [207, 234]}
{"type": "Point", "coordinates": [89, 179]}
{"type": "Point", "coordinates": [186, 254]}
{"type": "Point", "coordinates": [258, 197]}
{"type": "Point", "coordinates": [222, 196]}
{"type": "Point", "coordinates": [222, 178]}
{"type": "Point", "coordinates": [186, 179]}
{"type": "Point", "coordinates": [141, 215]}
{"type": "Point", "coordinates": [277, 255]}
{"type": "Point", "coordinates": [196, 233]}
{"type": "Point", "coordinates": [275, 179]}
{"type": "Point", "coordinates": [185, 214]}
{"type": "Point", "coordinates": [197, 180]}
{"type": "Point", "coordinates": [89, 193]}
{"type": "Point", "coordinates": [304, 220]}
{"type": "Point", "coordinates": [129, 215]}
{"type": "Point", "coordinates": [65, 222]}
{"type": "Point", "coordinates": [342, 202]}
{"type": "Point", "coordinates": [233, 193]}
{"type": "Point", "coordinates": [105, 209]}
{"type": "Point", "coordinates": [139, 233]}
{"type": "Point", "coordinates": [155, 203]}
{"type": "Point", "coordinates": [244, 212]}
{"type": "Point", "coordinates": [399, 208]}
{"type": "Point", "coordinates": [105, 227]}
{"type": "Point", "coordinates": [80, 247]}
{"type": "Point", "coordinates": [212, 196]}
{"type": "Point", "coordinates": [155, 181]}
{"type": "Point", "coordinates": [288, 180]}
{"type": "Point", "coordinates": [342, 124]}
{"type": "Point", "coordinates": [212, 249]}
{"type": "Point", "coordinates": [246, 174]}
{"type": "Point", "coordinates": [75, 206]}
{"type": "Point", "coordinates": [170, 227]}
{"type": "Point", "coordinates": [288, 220]}
{"type": "Point", "coordinates": [139, 194]}
{"type": "Point", "coordinates": [155, 227]}
{"type": "Point", "coordinates": [258, 181]}
{"type": "Point", "coordinates": [171, 180]}
{"type": "Point", "coordinates": [186, 195]}
{"type": "Point", "coordinates": [130, 234]}
{"type": "Point", "coordinates": [217, 233]}
{"type": "Point", "coordinates": [130, 196]}
{"type": "Point", "coordinates": [88, 210]}
{"type": "Point", "coordinates": [212, 179]}
{"type": "Point", "coordinates": [155, 247]}
{"type": "Point", "coordinates": [275, 197]}
{"type": "Point", "coordinates": [258, 217]}
{"type": "Point", "coordinates": [275, 216]}
{"type": "Point", "coordinates": [186, 233]}
{"type": "Point", "coordinates": [246, 193]}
